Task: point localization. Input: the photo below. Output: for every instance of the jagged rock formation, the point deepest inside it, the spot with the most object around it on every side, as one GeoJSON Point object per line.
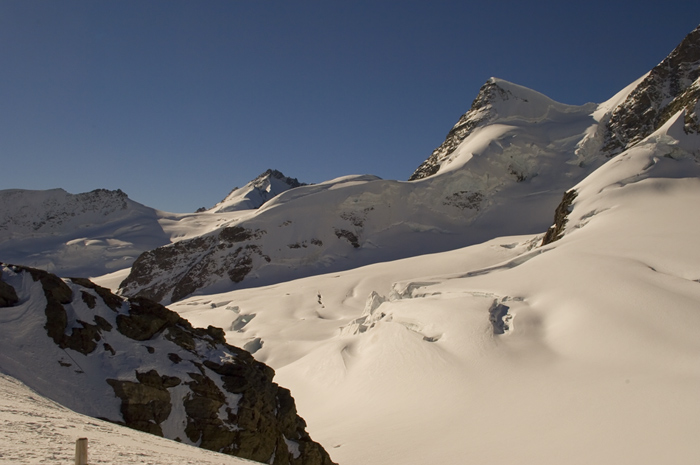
{"type": "Point", "coordinates": [669, 87]}
{"type": "Point", "coordinates": [258, 191]}
{"type": "Point", "coordinates": [134, 362]}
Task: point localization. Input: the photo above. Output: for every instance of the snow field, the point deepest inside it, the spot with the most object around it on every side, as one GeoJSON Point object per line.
{"type": "Point", "coordinates": [400, 362]}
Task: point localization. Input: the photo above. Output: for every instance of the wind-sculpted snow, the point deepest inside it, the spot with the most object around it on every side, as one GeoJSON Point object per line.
{"type": "Point", "coordinates": [503, 103]}
{"type": "Point", "coordinates": [136, 363]}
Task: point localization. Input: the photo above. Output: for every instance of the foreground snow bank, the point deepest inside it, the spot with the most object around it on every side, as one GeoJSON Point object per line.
{"type": "Point", "coordinates": [36, 430]}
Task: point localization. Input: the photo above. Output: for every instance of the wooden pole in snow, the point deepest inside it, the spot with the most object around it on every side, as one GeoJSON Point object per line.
{"type": "Point", "coordinates": [81, 451]}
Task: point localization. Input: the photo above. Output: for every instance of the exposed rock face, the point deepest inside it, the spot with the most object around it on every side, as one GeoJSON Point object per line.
{"type": "Point", "coordinates": [8, 296]}
{"type": "Point", "coordinates": [561, 214]}
{"type": "Point", "coordinates": [671, 86]}
{"type": "Point", "coordinates": [192, 264]}
{"type": "Point", "coordinates": [167, 378]}
{"type": "Point", "coordinates": [146, 403]}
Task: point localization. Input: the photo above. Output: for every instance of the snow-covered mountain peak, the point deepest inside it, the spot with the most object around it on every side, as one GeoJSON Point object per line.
{"type": "Point", "coordinates": [506, 100]}
{"type": "Point", "coordinates": [500, 102]}
{"type": "Point", "coordinates": [273, 180]}
{"type": "Point", "coordinates": [258, 191]}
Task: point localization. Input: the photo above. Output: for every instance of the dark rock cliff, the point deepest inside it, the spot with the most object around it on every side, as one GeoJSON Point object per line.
{"type": "Point", "coordinates": [188, 385]}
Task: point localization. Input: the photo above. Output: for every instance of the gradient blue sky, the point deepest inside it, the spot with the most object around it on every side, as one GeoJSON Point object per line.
{"type": "Point", "coordinates": [177, 102]}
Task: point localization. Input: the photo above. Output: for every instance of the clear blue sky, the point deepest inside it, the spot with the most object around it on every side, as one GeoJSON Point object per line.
{"type": "Point", "coordinates": [177, 102]}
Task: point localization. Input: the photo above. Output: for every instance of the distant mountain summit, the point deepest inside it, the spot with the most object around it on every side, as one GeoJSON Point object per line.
{"type": "Point", "coordinates": [258, 191]}
{"type": "Point", "coordinates": [27, 213]}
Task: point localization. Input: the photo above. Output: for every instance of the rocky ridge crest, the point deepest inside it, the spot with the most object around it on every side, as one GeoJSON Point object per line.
{"type": "Point", "coordinates": [671, 86]}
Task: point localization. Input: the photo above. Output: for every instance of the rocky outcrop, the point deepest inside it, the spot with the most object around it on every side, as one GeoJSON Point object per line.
{"type": "Point", "coordinates": [561, 217]}
{"type": "Point", "coordinates": [191, 264]}
{"type": "Point", "coordinates": [8, 296]}
{"type": "Point", "coordinates": [145, 403]}
{"type": "Point", "coordinates": [167, 378]}
{"type": "Point", "coordinates": [669, 87]}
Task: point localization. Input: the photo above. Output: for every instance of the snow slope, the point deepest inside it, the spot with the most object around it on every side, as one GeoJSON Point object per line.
{"type": "Point", "coordinates": [35, 430]}
{"type": "Point", "coordinates": [582, 351]}
{"type": "Point", "coordinates": [501, 171]}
